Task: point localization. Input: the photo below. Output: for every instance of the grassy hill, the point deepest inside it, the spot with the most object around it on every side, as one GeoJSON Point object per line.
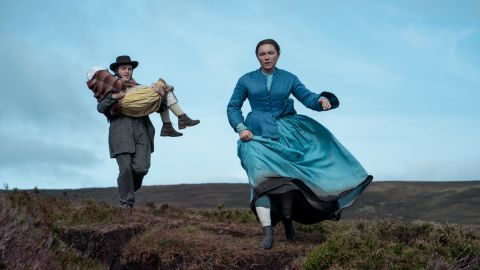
{"type": "Point", "coordinates": [445, 202]}
{"type": "Point", "coordinates": [171, 230]}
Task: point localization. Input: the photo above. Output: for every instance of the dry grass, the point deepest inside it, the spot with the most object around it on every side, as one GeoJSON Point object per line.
{"type": "Point", "coordinates": [27, 238]}
{"type": "Point", "coordinates": [38, 232]}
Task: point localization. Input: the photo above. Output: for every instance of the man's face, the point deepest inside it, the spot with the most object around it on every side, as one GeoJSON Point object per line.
{"type": "Point", "coordinates": [125, 72]}
{"type": "Point", "coordinates": [267, 55]}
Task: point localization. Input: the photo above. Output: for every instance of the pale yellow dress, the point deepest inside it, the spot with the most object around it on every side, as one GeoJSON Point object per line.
{"type": "Point", "coordinates": [143, 100]}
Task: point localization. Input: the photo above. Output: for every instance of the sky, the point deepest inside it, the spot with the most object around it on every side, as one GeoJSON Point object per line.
{"type": "Point", "coordinates": [407, 74]}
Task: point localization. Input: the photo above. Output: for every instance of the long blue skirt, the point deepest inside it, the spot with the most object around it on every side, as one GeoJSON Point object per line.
{"type": "Point", "coordinates": [307, 160]}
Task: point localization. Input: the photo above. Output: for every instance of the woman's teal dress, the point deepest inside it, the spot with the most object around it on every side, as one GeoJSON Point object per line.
{"type": "Point", "coordinates": [306, 158]}
{"type": "Point", "coordinates": [296, 154]}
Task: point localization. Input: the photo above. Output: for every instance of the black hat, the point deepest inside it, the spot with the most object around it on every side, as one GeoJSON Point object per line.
{"type": "Point", "coordinates": [123, 60]}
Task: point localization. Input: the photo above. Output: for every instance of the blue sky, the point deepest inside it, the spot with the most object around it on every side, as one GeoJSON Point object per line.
{"type": "Point", "coordinates": [407, 74]}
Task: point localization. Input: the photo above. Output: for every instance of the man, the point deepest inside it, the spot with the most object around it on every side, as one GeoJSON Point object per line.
{"type": "Point", "coordinates": [130, 139]}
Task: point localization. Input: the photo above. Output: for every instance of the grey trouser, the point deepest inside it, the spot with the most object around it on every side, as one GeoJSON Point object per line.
{"type": "Point", "coordinates": [133, 166]}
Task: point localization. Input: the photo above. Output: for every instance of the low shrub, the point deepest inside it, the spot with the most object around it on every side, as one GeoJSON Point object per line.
{"type": "Point", "coordinates": [389, 244]}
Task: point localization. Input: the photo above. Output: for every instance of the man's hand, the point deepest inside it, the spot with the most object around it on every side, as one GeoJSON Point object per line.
{"type": "Point", "coordinates": [246, 135]}
{"type": "Point", "coordinates": [160, 89]}
{"type": "Point", "coordinates": [325, 103]}
{"type": "Point", "coordinates": [118, 95]}
{"type": "Point", "coordinates": [129, 83]}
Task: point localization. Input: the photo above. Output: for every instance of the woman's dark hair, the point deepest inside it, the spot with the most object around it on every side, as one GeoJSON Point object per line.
{"type": "Point", "coordinates": [268, 41]}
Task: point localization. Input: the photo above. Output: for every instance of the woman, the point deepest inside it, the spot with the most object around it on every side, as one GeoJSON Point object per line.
{"type": "Point", "coordinates": [296, 168]}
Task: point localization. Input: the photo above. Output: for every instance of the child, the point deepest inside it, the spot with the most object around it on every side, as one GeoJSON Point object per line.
{"type": "Point", "coordinates": [139, 100]}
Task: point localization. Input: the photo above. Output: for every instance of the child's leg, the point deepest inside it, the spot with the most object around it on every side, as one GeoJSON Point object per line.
{"type": "Point", "coordinates": [172, 103]}
{"type": "Point", "coordinates": [165, 115]}
{"type": "Point", "coordinates": [176, 109]}
{"type": "Point", "coordinates": [167, 128]}
{"type": "Point", "coordinates": [183, 120]}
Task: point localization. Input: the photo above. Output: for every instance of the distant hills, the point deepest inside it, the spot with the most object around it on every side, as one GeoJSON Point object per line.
{"type": "Point", "coordinates": [444, 202]}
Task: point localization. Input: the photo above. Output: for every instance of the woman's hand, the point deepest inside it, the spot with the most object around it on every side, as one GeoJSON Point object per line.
{"type": "Point", "coordinates": [325, 103]}
{"type": "Point", "coordinates": [246, 135]}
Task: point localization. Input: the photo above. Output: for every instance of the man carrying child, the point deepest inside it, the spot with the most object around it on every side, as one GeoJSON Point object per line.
{"type": "Point", "coordinates": [131, 137]}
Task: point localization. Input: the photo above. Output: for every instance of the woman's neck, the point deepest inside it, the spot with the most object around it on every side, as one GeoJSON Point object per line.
{"type": "Point", "coordinates": [268, 72]}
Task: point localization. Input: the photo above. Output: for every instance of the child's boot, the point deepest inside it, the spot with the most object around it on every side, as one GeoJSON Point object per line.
{"type": "Point", "coordinates": [185, 121]}
{"type": "Point", "coordinates": [168, 130]}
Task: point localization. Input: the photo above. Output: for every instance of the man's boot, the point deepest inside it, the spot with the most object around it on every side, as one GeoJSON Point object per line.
{"type": "Point", "coordinates": [137, 181]}
{"type": "Point", "coordinates": [185, 121]}
{"type": "Point", "coordinates": [290, 233]}
{"type": "Point", "coordinates": [267, 241]}
{"type": "Point", "coordinates": [168, 130]}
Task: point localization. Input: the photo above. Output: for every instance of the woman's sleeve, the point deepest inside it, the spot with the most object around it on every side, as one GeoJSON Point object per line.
{"type": "Point", "coordinates": [305, 96]}
{"type": "Point", "coordinates": [310, 99]}
{"type": "Point", "coordinates": [234, 107]}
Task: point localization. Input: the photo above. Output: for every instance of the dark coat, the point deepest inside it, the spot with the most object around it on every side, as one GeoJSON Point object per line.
{"type": "Point", "coordinates": [120, 133]}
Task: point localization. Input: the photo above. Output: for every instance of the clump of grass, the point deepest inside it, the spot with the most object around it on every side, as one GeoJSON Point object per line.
{"type": "Point", "coordinates": [3, 265]}
{"type": "Point", "coordinates": [73, 260]}
{"type": "Point", "coordinates": [167, 211]}
{"type": "Point", "coordinates": [53, 212]}
{"type": "Point", "coordinates": [39, 210]}
{"type": "Point", "coordinates": [154, 242]}
{"type": "Point", "coordinates": [219, 214]}
{"type": "Point", "coordinates": [243, 216]}
{"type": "Point", "coordinates": [28, 221]}
{"type": "Point", "coordinates": [91, 212]}
{"type": "Point", "coordinates": [389, 244]}
{"type": "Point", "coordinates": [317, 228]}
{"type": "Point", "coordinates": [186, 246]}
{"type": "Point", "coordinates": [150, 205]}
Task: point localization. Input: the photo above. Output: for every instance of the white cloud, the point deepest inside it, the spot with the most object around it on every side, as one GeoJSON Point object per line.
{"type": "Point", "coordinates": [447, 46]}
{"type": "Point", "coordinates": [407, 85]}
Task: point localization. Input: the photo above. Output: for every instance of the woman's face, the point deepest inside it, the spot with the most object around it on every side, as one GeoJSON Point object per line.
{"type": "Point", "coordinates": [125, 72]}
{"type": "Point", "coordinates": [267, 56]}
